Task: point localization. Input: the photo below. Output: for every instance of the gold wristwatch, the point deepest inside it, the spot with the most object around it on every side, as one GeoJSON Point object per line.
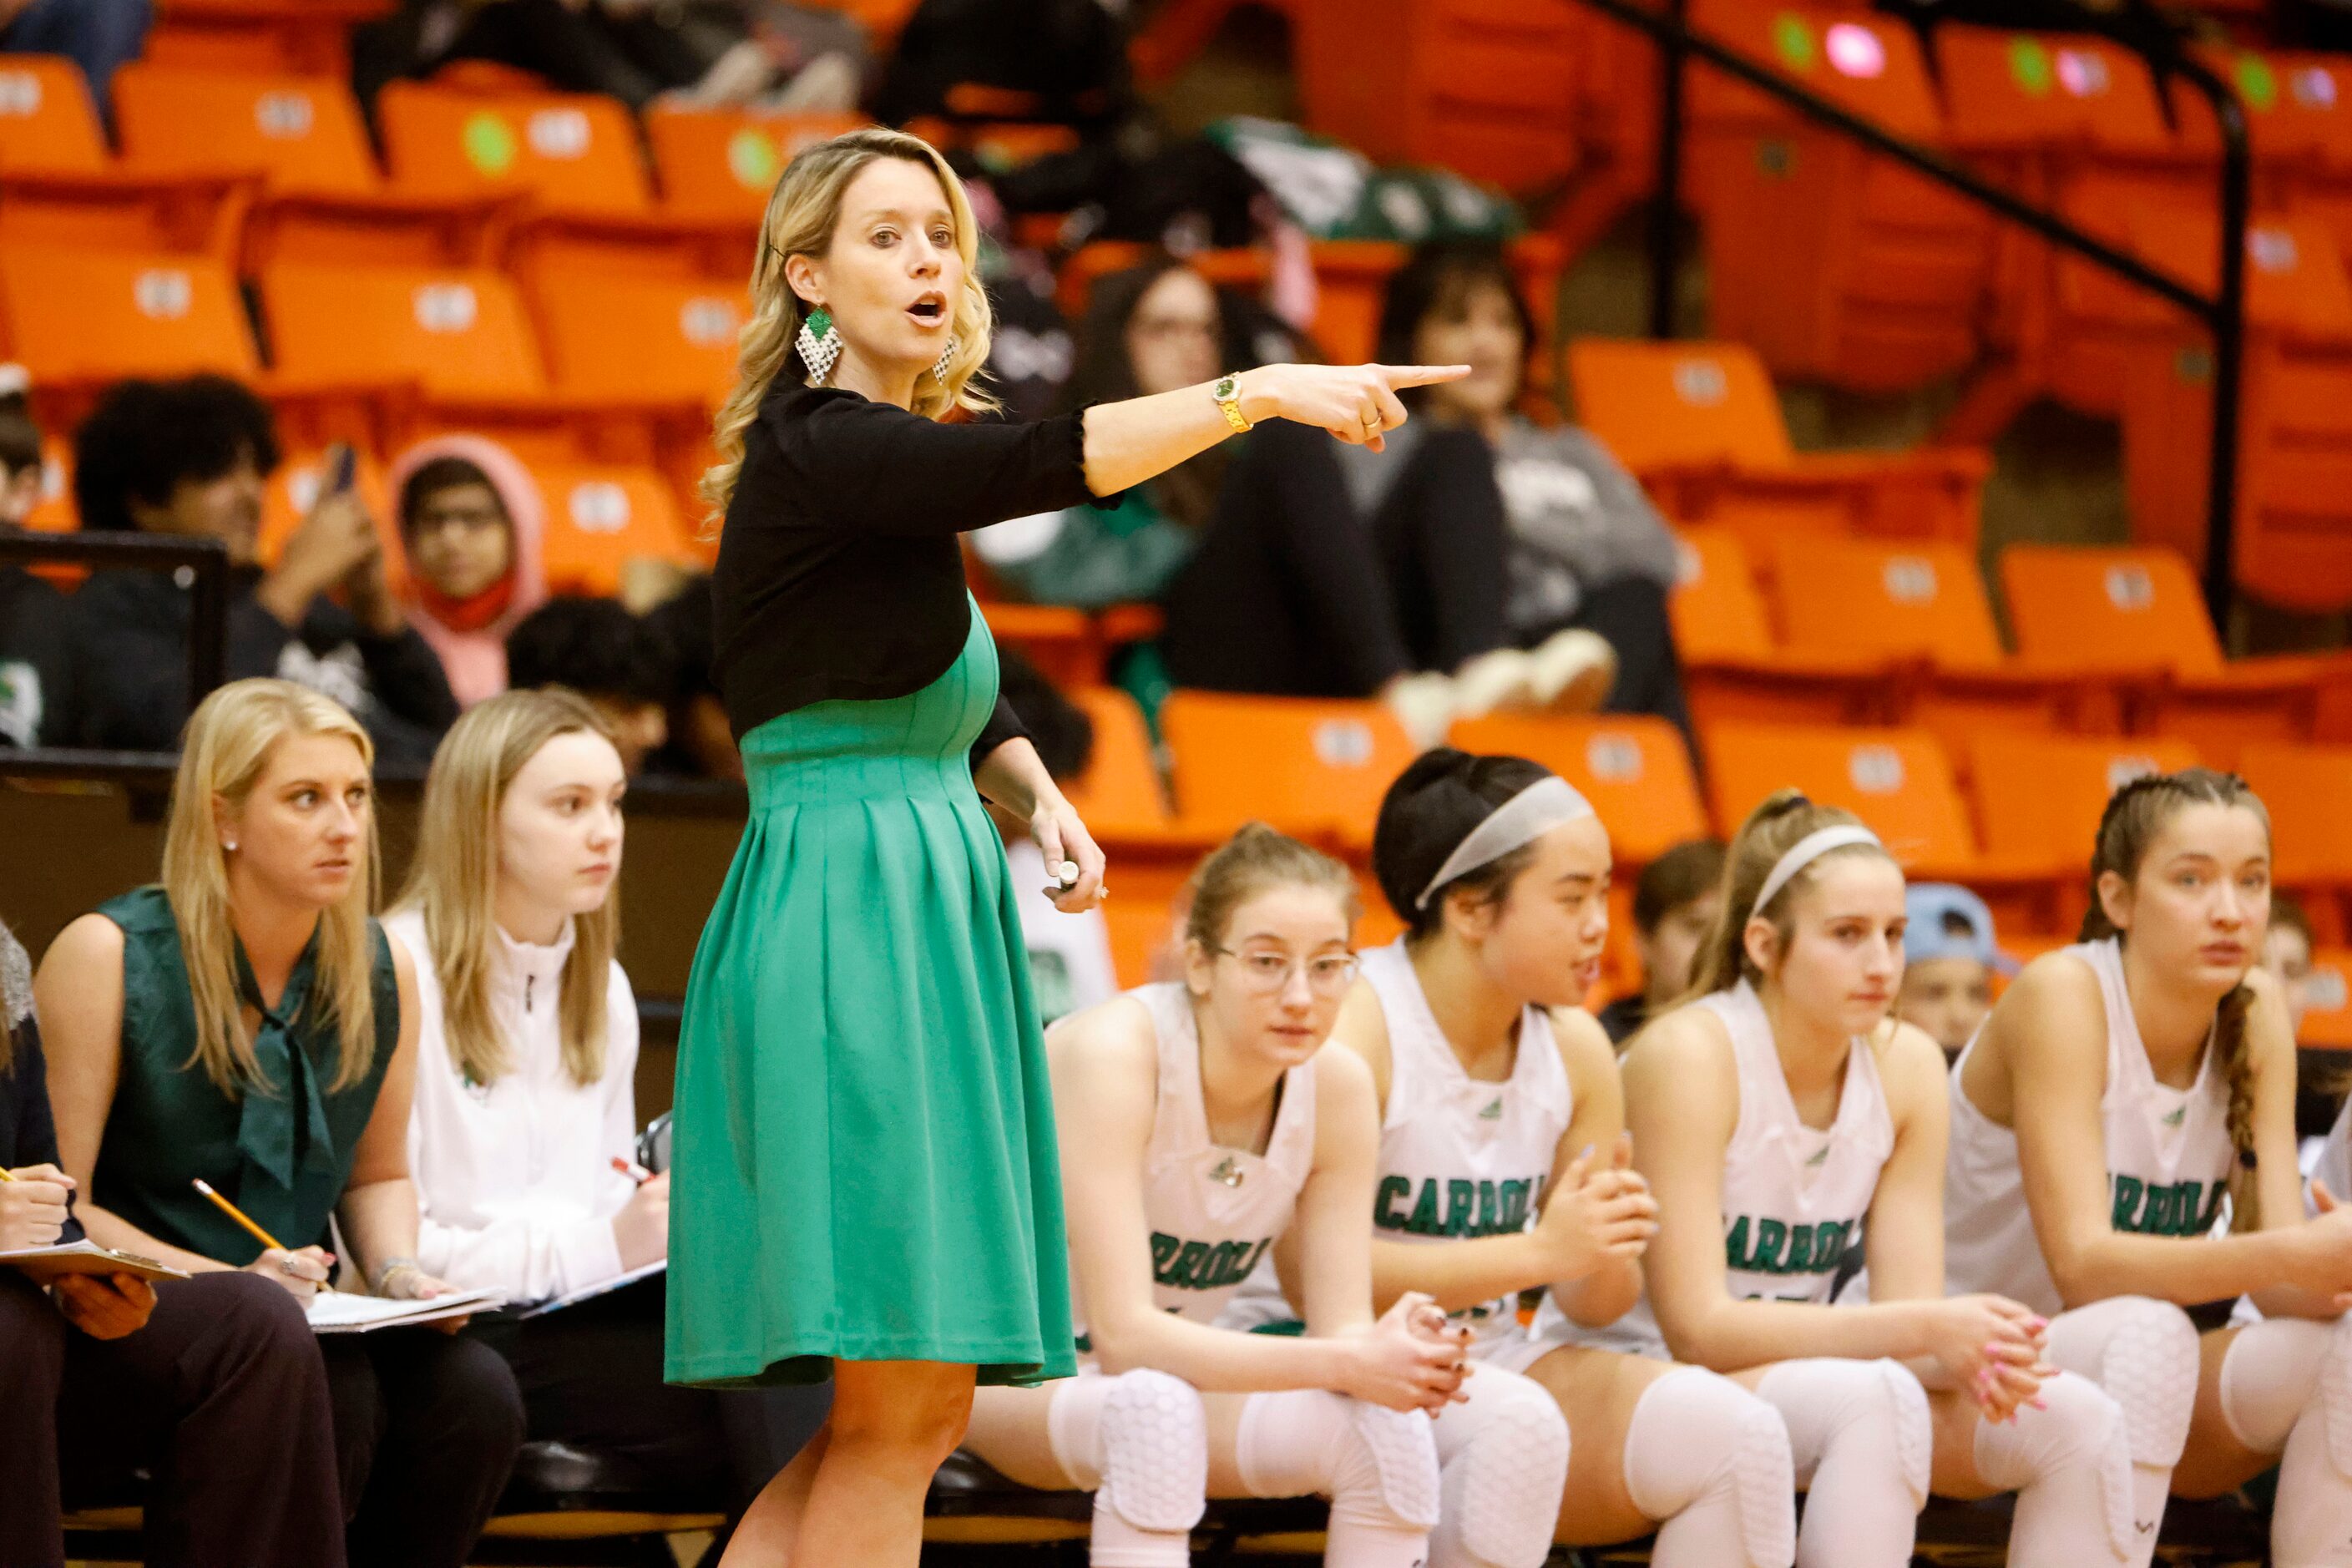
{"type": "Point", "coordinates": [1228, 394]}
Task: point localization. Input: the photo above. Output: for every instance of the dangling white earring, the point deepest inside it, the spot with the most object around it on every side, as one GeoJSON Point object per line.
{"type": "Point", "coordinates": [939, 370]}
{"type": "Point", "coordinates": [819, 341]}
{"type": "Point", "coordinates": [229, 845]}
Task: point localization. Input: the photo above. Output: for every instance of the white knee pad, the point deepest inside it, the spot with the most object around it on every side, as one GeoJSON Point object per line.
{"type": "Point", "coordinates": [2079, 1429]}
{"type": "Point", "coordinates": [1379, 1467]}
{"type": "Point", "coordinates": [1695, 1435]}
{"type": "Point", "coordinates": [1139, 1441]}
{"type": "Point", "coordinates": [1503, 1463]}
{"type": "Point", "coordinates": [2275, 1370]}
{"type": "Point", "coordinates": [2144, 1354]}
{"type": "Point", "coordinates": [1824, 1400]}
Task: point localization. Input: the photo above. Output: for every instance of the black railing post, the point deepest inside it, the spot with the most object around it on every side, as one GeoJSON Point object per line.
{"type": "Point", "coordinates": [1672, 68]}
{"type": "Point", "coordinates": [2227, 320]}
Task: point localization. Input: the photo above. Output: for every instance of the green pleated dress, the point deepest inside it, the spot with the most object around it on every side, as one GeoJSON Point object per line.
{"type": "Point", "coordinates": [864, 1164]}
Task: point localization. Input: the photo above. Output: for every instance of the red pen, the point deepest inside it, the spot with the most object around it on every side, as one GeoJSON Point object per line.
{"type": "Point", "coordinates": [631, 1169]}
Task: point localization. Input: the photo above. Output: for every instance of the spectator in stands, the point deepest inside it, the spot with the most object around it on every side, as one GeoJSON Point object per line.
{"type": "Point", "coordinates": [597, 648]}
{"type": "Point", "coordinates": [700, 744]}
{"type": "Point", "coordinates": [1586, 549]}
{"type": "Point", "coordinates": [1069, 955]}
{"type": "Point", "coordinates": [213, 1385]}
{"type": "Point", "coordinates": [34, 665]}
{"type": "Point", "coordinates": [525, 1120]}
{"type": "Point", "coordinates": [245, 1022]}
{"type": "Point", "coordinates": [471, 523]}
{"type": "Point", "coordinates": [2286, 953]}
{"type": "Point", "coordinates": [190, 458]}
{"type": "Point", "coordinates": [99, 35]}
{"type": "Point", "coordinates": [1948, 962]}
{"type": "Point", "coordinates": [1273, 579]}
{"type": "Point", "coordinates": [1674, 904]}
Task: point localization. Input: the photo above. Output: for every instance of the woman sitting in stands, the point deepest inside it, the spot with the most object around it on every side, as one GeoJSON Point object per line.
{"type": "Point", "coordinates": [212, 1385]}
{"type": "Point", "coordinates": [1285, 565]}
{"type": "Point", "coordinates": [524, 1129]}
{"type": "Point", "coordinates": [246, 1023]}
{"type": "Point", "coordinates": [1586, 551]}
{"type": "Point", "coordinates": [1205, 1124]}
{"type": "Point", "coordinates": [471, 523]}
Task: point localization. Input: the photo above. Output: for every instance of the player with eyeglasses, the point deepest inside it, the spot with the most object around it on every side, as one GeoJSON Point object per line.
{"type": "Point", "coordinates": [1205, 1126]}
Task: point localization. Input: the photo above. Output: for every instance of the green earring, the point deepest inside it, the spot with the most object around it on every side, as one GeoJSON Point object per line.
{"type": "Point", "coordinates": [819, 341]}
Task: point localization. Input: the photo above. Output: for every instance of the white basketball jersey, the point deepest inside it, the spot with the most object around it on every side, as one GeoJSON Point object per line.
{"type": "Point", "coordinates": [1794, 1197]}
{"type": "Point", "coordinates": [1215, 1212]}
{"type": "Point", "coordinates": [1461, 1158]}
{"type": "Point", "coordinates": [2168, 1158]}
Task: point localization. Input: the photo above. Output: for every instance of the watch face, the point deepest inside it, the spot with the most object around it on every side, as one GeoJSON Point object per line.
{"type": "Point", "coordinates": [1224, 389]}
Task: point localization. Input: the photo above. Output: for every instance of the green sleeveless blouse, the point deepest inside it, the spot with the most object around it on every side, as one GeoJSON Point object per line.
{"type": "Point", "coordinates": [282, 1154]}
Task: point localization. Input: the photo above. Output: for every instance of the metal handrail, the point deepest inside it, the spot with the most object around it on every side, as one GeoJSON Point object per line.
{"type": "Point", "coordinates": [2223, 313]}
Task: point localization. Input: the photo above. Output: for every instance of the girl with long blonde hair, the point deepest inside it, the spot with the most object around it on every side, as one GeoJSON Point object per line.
{"type": "Point", "coordinates": [867, 1182]}
{"type": "Point", "coordinates": [525, 1124]}
{"type": "Point", "coordinates": [244, 1023]}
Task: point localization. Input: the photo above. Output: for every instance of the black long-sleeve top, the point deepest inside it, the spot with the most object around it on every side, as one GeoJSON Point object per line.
{"type": "Point", "coordinates": [28, 1134]}
{"type": "Point", "coordinates": [839, 575]}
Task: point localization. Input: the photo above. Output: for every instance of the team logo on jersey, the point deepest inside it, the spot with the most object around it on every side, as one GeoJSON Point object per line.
{"type": "Point", "coordinates": [1456, 1208]}
{"type": "Point", "coordinates": [1182, 1265]}
{"type": "Point", "coordinates": [2174, 1117]}
{"type": "Point", "coordinates": [1820, 1157]}
{"type": "Point", "coordinates": [1494, 1111]}
{"type": "Point", "coordinates": [1774, 1247]}
{"type": "Point", "coordinates": [1227, 1172]}
{"type": "Point", "coordinates": [2180, 1208]}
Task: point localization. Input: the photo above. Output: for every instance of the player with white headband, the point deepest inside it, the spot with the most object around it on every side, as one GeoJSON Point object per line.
{"type": "Point", "coordinates": [1779, 1115]}
{"type": "Point", "coordinates": [2128, 1093]}
{"type": "Point", "coordinates": [1504, 1169]}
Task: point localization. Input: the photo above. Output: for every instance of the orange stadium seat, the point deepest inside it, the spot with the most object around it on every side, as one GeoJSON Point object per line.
{"type": "Point", "coordinates": [2038, 800]}
{"type": "Point", "coordinates": [573, 154]}
{"type": "Point", "coordinates": [2135, 616]}
{"type": "Point", "coordinates": [301, 133]}
{"type": "Point", "coordinates": [623, 339]}
{"type": "Point", "coordinates": [724, 162]}
{"type": "Point", "coordinates": [2305, 789]}
{"type": "Point", "coordinates": [1699, 426]}
{"type": "Point", "coordinates": [47, 123]}
{"type": "Point", "coordinates": [1118, 797]}
{"type": "Point", "coordinates": [459, 333]}
{"type": "Point", "coordinates": [82, 317]}
{"type": "Point", "coordinates": [1898, 781]}
{"type": "Point", "coordinates": [1316, 769]}
{"type": "Point", "coordinates": [1734, 668]}
{"type": "Point", "coordinates": [601, 517]}
{"type": "Point", "coordinates": [1634, 769]}
{"type": "Point", "coordinates": [1834, 264]}
{"type": "Point", "coordinates": [309, 36]}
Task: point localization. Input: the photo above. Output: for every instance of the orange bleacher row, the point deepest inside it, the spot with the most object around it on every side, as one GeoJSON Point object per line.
{"type": "Point", "coordinates": [1841, 267]}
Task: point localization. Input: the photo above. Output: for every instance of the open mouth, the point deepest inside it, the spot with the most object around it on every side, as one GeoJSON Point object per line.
{"type": "Point", "coordinates": [930, 309]}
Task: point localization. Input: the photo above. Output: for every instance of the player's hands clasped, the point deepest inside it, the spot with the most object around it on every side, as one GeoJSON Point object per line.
{"type": "Point", "coordinates": [1413, 1359]}
{"type": "Point", "coordinates": [1597, 1215]}
{"type": "Point", "coordinates": [1992, 1347]}
{"type": "Point", "coordinates": [1356, 403]}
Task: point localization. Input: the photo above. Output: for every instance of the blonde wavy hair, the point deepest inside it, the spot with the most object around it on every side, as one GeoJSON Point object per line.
{"type": "Point", "coordinates": [228, 742]}
{"type": "Point", "coordinates": [803, 212]}
{"type": "Point", "coordinates": [454, 883]}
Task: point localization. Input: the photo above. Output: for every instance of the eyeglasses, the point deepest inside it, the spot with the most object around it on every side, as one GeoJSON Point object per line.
{"type": "Point", "coordinates": [1328, 975]}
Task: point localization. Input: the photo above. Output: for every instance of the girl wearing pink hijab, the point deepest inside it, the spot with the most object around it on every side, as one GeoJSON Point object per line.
{"type": "Point", "coordinates": [471, 519]}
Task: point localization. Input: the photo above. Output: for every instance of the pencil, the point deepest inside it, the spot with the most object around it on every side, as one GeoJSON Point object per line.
{"type": "Point", "coordinates": [237, 1214]}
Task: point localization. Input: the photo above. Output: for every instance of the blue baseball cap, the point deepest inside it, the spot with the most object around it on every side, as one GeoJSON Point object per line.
{"type": "Point", "coordinates": [1938, 911]}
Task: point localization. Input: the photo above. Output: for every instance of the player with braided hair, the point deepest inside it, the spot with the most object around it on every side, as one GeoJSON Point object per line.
{"type": "Point", "coordinates": [2126, 1095]}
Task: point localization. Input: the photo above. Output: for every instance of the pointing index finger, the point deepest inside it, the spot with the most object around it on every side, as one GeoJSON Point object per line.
{"type": "Point", "coordinates": [1421, 374]}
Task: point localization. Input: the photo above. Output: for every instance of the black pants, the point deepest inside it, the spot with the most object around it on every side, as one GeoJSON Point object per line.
{"type": "Point", "coordinates": [1630, 614]}
{"type": "Point", "coordinates": [425, 1430]}
{"type": "Point", "coordinates": [221, 1398]}
{"type": "Point", "coordinates": [590, 1376]}
{"type": "Point", "coordinates": [1293, 593]}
